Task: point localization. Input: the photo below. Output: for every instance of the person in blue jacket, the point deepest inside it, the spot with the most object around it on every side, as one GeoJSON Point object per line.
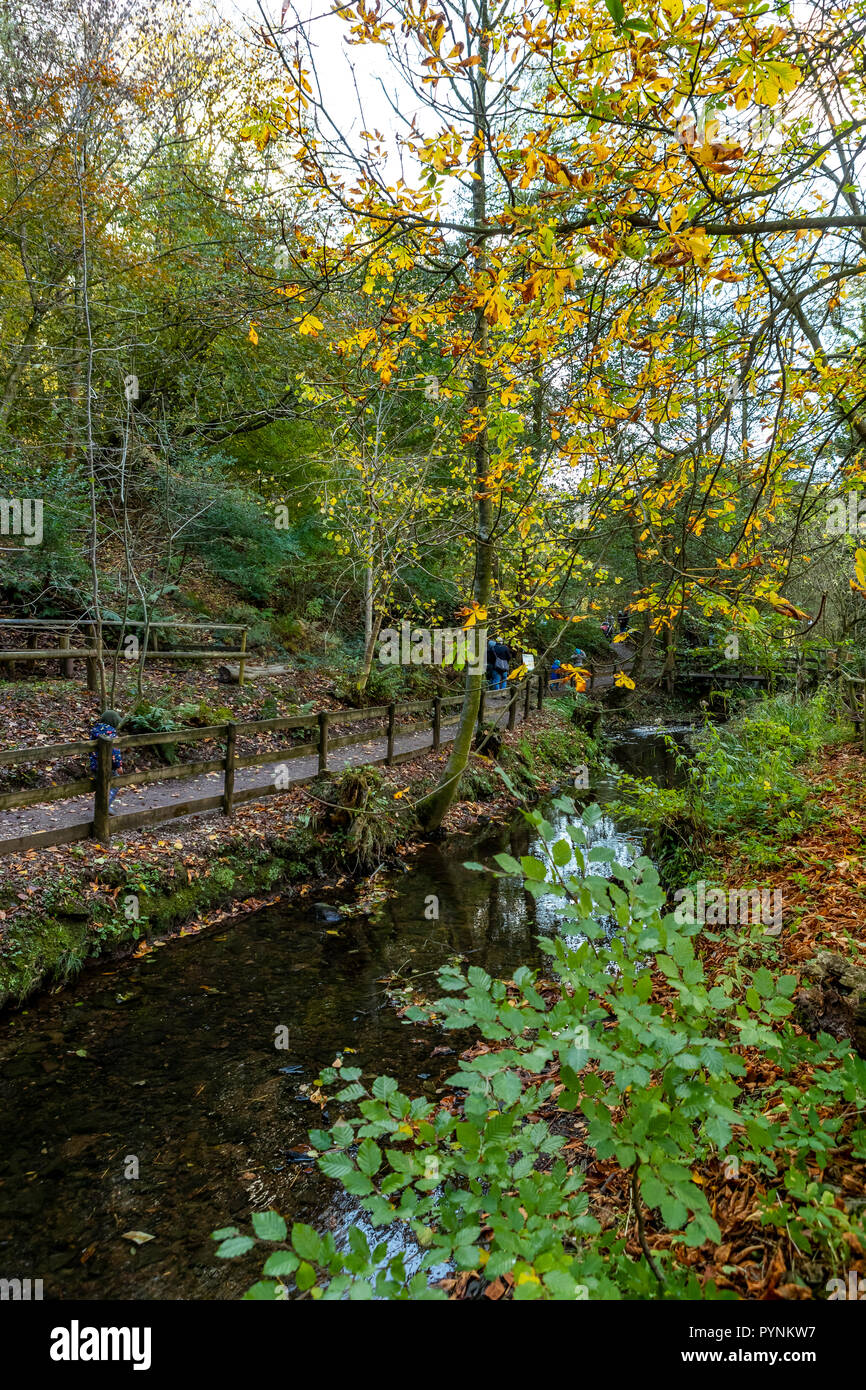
{"type": "Point", "coordinates": [106, 727]}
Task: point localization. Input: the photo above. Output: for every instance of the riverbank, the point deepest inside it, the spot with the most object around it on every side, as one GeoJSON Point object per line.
{"type": "Point", "coordinates": [67, 905]}
{"type": "Point", "coordinates": [786, 1190]}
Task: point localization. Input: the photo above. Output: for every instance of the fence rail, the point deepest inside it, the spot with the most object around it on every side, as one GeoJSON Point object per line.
{"type": "Point", "coordinates": [101, 826]}
{"type": "Point", "coordinates": [96, 653]}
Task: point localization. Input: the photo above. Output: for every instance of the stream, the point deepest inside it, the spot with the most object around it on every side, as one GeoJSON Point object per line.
{"type": "Point", "coordinates": [149, 1097]}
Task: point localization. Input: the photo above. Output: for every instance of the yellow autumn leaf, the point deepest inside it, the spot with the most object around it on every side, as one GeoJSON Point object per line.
{"type": "Point", "coordinates": [697, 243]}
{"type": "Point", "coordinates": [624, 681]}
{"type": "Point", "coordinates": [253, 335]}
{"type": "Point", "coordinates": [473, 615]}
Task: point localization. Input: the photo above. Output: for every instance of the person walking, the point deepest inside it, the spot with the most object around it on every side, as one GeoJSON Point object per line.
{"type": "Point", "coordinates": [502, 655]}
{"type": "Point", "coordinates": [491, 664]}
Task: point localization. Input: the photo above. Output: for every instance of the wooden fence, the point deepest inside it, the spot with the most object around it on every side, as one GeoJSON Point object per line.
{"type": "Point", "coordinates": [703, 667]}
{"type": "Point", "coordinates": [320, 744]}
{"type": "Point", "coordinates": [852, 702]}
{"type": "Point", "coordinates": [95, 652]}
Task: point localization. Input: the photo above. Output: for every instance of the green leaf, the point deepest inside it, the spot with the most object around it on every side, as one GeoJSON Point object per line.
{"type": "Point", "coordinates": [764, 983]}
{"type": "Point", "coordinates": [353, 1092]}
{"type": "Point", "coordinates": [264, 1291]}
{"type": "Point", "coordinates": [269, 1225]}
{"type": "Point", "coordinates": [369, 1157]}
{"type": "Point", "coordinates": [306, 1242]}
{"type": "Point", "coordinates": [337, 1165]}
{"type": "Point", "coordinates": [507, 1087]}
{"type": "Point", "coordinates": [383, 1087]}
{"type": "Point", "coordinates": [532, 868]}
{"type": "Point", "coordinates": [281, 1262]}
{"type": "Point", "coordinates": [234, 1246]}
{"type": "Point", "coordinates": [508, 863]}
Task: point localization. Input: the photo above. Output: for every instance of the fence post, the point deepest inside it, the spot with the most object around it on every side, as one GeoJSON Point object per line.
{"type": "Point", "coordinates": [392, 710]}
{"type": "Point", "coordinates": [66, 662]}
{"type": "Point", "coordinates": [512, 709]}
{"type": "Point", "coordinates": [482, 703]}
{"type": "Point", "coordinates": [104, 748]}
{"type": "Point", "coordinates": [323, 741]}
{"type": "Point", "coordinates": [541, 674]}
{"type": "Point", "coordinates": [526, 696]}
{"type": "Point", "coordinates": [242, 665]}
{"type": "Point", "coordinates": [437, 722]}
{"type": "Point", "coordinates": [229, 770]}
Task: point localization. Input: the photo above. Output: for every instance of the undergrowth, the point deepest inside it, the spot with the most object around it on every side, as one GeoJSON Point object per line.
{"type": "Point", "coordinates": [745, 779]}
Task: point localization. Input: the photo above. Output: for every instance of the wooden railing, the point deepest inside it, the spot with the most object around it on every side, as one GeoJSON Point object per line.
{"type": "Point", "coordinates": [95, 652]}
{"type": "Point", "coordinates": [320, 744]}
{"type": "Point", "coordinates": [852, 695]}
{"type": "Point", "coordinates": [692, 665]}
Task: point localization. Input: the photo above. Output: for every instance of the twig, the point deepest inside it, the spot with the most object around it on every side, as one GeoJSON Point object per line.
{"type": "Point", "coordinates": [636, 1199]}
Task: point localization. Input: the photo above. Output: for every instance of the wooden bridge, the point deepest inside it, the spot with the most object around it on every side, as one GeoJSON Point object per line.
{"type": "Point", "coordinates": [703, 669]}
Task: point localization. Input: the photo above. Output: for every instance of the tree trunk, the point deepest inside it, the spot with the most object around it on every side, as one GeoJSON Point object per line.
{"type": "Point", "coordinates": [433, 808]}
{"type": "Point", "coordinates": [371, 638]}
{"type": "Point", "coordinates": [368, 607]}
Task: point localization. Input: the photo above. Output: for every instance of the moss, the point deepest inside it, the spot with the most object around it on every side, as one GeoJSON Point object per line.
{"type": "Point", "coordinates": [38, 947]}
{"type": "Point", "coordinates": [50, 943]}
{"type": "Point", "coordinates": [478, 783]}
{"type": "Point", "coordinates": [358, 812]}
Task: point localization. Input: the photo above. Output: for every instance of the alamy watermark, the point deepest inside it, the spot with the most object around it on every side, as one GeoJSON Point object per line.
{"type": "Point", "coordinates": [77, 1343]}
{"type": "Point", "coordinates": [846, 515]}
{"type": "Point", "coordinates": [436, 646]}
{"type": "Point", "coordinates": [22, 516]}
{"type": "Point", "coordinates": [20, 1290]}
{"type": "Point", "coordinates": [853, 1289]}
{"type": "Point", "coordinates": [717, 908]}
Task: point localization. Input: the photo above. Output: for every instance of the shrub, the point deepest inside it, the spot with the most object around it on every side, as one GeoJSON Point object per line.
{"type": "Point", "coordinates": [652, 1081]}
{"type": "Point", "coordinates": [741, 778]}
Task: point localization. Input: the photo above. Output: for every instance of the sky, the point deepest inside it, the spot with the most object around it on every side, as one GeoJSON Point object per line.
{"type": "Point", "coordinates": [345, 72]}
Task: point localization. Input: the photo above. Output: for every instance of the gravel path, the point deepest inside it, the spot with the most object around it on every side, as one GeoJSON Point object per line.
{"type": "Point", "coordinates": [78, 811]}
